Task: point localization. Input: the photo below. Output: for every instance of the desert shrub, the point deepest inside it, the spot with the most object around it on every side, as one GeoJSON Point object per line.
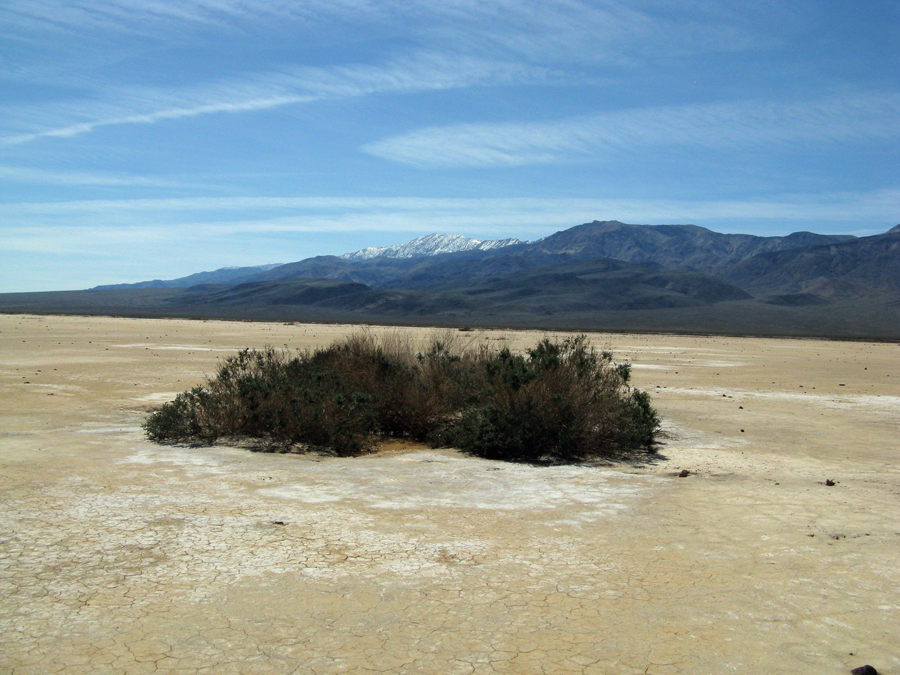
{"type": "Point", "coordinates": [562, 401]}
{"type": "Point", "coordinates": [559, 401]}
{"type": "Point", "coordinates": [183, 418]}
{"type": "Point", "coordinates": [643, 421]}
{"type": "Point", "coordinates": [278, 399]}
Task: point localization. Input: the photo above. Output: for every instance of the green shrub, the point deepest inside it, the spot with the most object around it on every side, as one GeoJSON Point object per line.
{"type": "Point", "coordinates": [564, 401]}
{"type": "Point", "coordinates": [560, 401]}
{"type": "Point", "coordinates": [181, 419]}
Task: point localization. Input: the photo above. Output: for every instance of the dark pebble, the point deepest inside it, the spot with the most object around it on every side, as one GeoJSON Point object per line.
{"type": "Point", "coordinates": [864, 670]}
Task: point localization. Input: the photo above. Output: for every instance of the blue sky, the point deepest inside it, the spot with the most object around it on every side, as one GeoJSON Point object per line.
{"type": "Point", "coordinates": [146, 139]}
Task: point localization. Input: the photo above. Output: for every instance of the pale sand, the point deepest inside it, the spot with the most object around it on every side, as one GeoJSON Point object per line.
{"type": "Point", "coordinates": [121, 556]}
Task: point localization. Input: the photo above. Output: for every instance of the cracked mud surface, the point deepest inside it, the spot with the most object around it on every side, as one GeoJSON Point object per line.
{"type": "Point", "coordinates": [121, 556]}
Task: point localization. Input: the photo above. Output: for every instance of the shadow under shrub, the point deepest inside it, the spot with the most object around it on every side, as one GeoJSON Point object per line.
{"type": "Point", "coordinates": [560, 401]}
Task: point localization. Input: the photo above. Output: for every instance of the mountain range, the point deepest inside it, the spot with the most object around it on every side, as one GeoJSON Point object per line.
{"type": "Point", "coordinates": [430, 245]}
{"type": "Point", "coordinates": [596, 275]}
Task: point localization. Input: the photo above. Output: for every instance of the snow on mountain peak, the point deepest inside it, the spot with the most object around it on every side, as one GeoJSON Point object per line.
{"type": "Point", "coordinates": [432, 244]}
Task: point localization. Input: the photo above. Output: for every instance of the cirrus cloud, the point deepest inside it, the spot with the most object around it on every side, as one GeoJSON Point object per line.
{"type": "Point", "coordinates": [718, 126]}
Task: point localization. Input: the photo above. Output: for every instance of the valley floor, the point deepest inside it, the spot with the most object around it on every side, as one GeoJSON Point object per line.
{"type": "Point", "coordinates": [121, 556]}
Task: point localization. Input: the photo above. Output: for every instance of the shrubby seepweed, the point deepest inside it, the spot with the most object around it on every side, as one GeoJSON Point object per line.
{"type": "Point", "coordinates": [560, 401]}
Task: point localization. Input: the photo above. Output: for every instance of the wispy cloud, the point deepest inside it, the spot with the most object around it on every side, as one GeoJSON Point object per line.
{"type": "Point", "coordinates": [469, 42]}
{"type": "Point", "coordinates": [208, 217]}
{"type": "Point", "coordinates": [417, 72]}
{"type": "Point", "coordinates": [722, 126]}
{"type": "Point", "coordinates": [138, 16]}
{"type": "Point", "coordinates": [158, 115]}
{"type": "Point", "coordinates": [18, 174]}
{"type": "Point", "coordinates": [535, 27]}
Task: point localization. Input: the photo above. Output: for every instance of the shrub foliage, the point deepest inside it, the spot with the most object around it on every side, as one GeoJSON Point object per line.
{"type": "Point", "coordinates": [560, 401]}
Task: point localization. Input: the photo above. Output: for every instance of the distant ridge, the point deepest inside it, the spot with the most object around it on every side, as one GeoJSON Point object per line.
{"type": "Point", "coordinates": [840, 269]}
{"type": "Point", "coordinates": [598, 275]}
{"type": "Point", "coordinates": [423, 247]}
{"type": "Point", "coordinates": [223, 275]}
{"type": "Point", "coordinates": [429, 245]}
{"type": "Point", "coordinates": [677, 246]}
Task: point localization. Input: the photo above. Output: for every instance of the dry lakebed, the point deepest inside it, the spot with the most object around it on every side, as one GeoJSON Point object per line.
{"type": "Point", "coordinates": [118, 555]}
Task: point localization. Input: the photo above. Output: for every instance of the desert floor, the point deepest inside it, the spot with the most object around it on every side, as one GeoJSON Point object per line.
{"type": "Point", "coordinates": [121, 556]}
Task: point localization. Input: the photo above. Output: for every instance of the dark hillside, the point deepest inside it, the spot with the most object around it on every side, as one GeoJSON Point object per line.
{"type": "Point", "coordinates": [599, 284]}
{"type": "Point", "coordinates": [844, 269]}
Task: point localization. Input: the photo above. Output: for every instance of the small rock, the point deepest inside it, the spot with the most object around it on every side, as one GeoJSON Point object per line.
{"type": "Point", "coordinates": [830, 482]}
{"type": "Point", "coordinates": [684, 473]}
{"type": "Point", "coordinates": [864, 670]}
{"type": "Point", "coordinates": [278, 522]}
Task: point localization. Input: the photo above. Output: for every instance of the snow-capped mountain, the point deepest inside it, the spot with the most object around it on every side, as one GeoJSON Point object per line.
{"type": "Point", "coordinates": [432, 244]}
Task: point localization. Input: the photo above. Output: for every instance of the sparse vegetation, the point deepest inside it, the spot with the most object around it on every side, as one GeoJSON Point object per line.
{"type": "Point", "coordinates": [560, 401]}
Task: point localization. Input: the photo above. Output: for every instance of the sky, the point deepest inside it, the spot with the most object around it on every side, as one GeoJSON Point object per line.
{"type": "Point", "coordinates": [145, 139]}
